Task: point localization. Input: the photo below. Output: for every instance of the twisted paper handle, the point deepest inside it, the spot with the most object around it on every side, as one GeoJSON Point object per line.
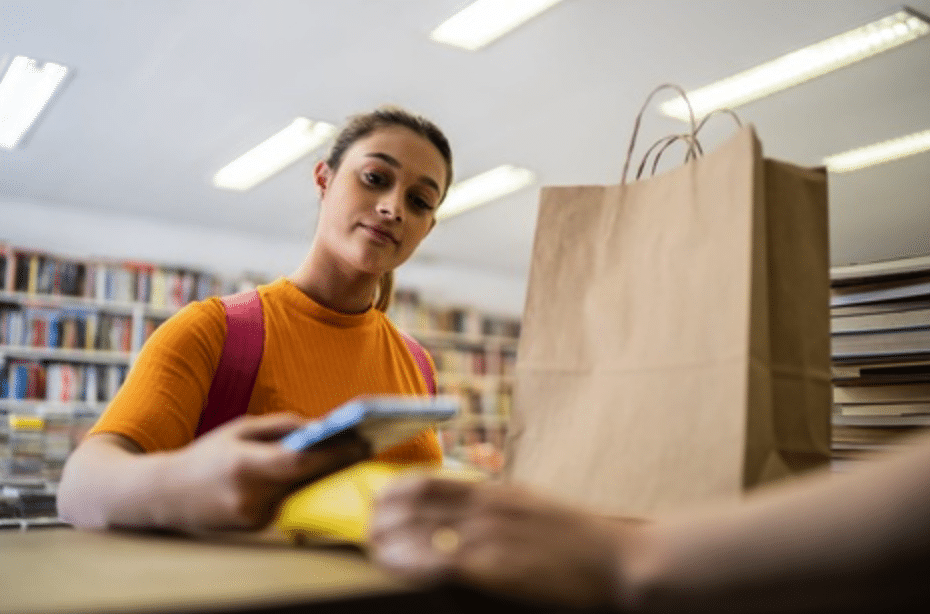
{"type": "Point", "coordinates": [639, 119]}
{"type": "Point", "coordinates": [694, 145]}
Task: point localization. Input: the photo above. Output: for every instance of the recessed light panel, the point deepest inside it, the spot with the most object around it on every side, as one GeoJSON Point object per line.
{"type": "Point", "coordinates": [879, 153]}
{"type": "Point", "coordinates": [483, 188]}
{"type": "Point", "coordinates": [802, 65]}
{"type": "Point", "coordinates": [484, 21]}
{"type": "Point", "coordinates": [273, 155]}
{"type": "Point", "coordinates": [25, 90]}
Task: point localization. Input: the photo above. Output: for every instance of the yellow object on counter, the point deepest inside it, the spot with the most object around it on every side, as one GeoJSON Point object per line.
{"type": "Point", "coordinates": [338, 508]}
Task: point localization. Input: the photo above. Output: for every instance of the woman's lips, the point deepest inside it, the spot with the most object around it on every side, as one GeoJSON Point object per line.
{"type": "Point", "coordinates": [380, 234]}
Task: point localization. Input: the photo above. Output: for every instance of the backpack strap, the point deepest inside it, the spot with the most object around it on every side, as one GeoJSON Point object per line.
{"type": "Point", "coordinates": [235, 374]}
{"type": "Point", "coordinates": [419, 355]}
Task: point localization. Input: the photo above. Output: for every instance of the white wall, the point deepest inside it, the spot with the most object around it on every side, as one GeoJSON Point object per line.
{"type": "Point", "coordinates": [87, 233]}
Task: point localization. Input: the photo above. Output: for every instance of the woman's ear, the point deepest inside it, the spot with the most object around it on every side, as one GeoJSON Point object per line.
{"type": "Point", "coordinates": [321, 176]}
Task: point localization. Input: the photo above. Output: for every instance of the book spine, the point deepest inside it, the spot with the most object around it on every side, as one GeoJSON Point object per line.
{"type": "Point", "coordinates": [33, 283]}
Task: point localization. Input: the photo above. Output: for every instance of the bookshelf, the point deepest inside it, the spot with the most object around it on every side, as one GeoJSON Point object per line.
{"type": "Point", "coordinates": [880, 341]}
{"type": "Point", "coordinates": [475, 354]}
{"type": "Point", "coordinates": [71, 327]}
{"type": "Point", "coordinates": [69, 330]}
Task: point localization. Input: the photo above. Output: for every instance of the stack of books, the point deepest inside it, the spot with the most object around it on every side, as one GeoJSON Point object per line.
{"type": "Point", "coordinates": [880, 341]}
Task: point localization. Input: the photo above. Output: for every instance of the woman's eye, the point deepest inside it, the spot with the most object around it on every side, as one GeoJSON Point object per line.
{"type": "Point", "coordinates": [421, 203]}
{"type": "Point", "coordinates": [374, 179]}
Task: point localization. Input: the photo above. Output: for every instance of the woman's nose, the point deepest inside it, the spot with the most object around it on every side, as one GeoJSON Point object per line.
{"type": "Point", "coordinates": [391, 206]}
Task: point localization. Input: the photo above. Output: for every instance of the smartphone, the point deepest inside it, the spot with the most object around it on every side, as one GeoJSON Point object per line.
{"type": "Point", "coordinates": [383, 421]}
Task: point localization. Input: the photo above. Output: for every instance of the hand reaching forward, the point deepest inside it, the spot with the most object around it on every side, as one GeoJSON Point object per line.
{"type": "Point", "coordinates": [496, 537]}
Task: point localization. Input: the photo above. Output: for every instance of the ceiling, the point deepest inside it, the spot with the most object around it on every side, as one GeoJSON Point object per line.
{"type": "Point", "coordinates": [166, 92]}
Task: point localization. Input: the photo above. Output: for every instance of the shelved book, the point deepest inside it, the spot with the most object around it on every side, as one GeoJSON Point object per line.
{"type": "Point", "coordinates": [67, 328]}
{"type": "Point", "coordinates": [889, 393]}
{"type": "Point", "coordinates": [881, 331]}
{"type": "Point", "coordinates": [898, 268]}
{"type": "Point", "coordinates": [913, 288]}
{"type": "Point", "coordinates": [890, 410]}
{"type": "Point", "coordinates": [900, 372]}
{"type": "Point", "coordinates": [880, 313]}
{"type": "Point", "coordinates": [903, 420]}
{"type": "Point", "coordinates": [60, 382]}
{"type": "Point", "coordinates": [912, 342]}
{"type": "Point", "coordinates": [411, 314]}
{"type": "Point", "coordinates": [42, 273]}
{"type": "Point", "coordinates": [880, 342]}
{"type": "Point", "coordinates": [872, 437]}
{"type": "Point", "coordinates": [880, 317]}
{"type": "Point", "coordinates": [885, 334]}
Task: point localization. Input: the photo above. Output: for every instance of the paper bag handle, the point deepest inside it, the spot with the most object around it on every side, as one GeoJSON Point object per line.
{"type": "Point", "coordinates": [694, 144]}
{"type": "Point", "coordinates": [639, 119]}
{"type": "Point", "coordinates": [694, 150]}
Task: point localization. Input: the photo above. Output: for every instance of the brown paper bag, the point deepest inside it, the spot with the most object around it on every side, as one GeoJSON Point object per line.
{"type": "Point", "coordinates": [675, 341]}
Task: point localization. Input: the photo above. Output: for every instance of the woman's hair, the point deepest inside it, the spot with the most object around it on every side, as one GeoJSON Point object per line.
{"type": "Point", "coordinates": [359, 127]}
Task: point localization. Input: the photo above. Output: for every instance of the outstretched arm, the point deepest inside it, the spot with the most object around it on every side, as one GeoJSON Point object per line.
{"type": "Point", "coordinates": [857, 541]}
{"type": "Point", "coordinates": [854, 541]}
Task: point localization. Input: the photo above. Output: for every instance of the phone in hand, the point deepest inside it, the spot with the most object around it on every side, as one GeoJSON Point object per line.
{"type": "Point", "coordinates": [383, 421]}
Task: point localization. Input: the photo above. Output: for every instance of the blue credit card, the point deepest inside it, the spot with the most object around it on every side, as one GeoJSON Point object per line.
{"type": "Point", "coordinates": [383, 421]}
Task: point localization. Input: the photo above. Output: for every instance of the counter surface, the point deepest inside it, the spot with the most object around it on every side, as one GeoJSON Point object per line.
{"type": "Point", "coordinates": [66, 571]}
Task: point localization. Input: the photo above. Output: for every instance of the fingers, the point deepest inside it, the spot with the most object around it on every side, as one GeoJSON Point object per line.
{"type": "Point", "coordinates": [426, 490]}
{"type": "Point", "coordinates": [266, 427]}
{"type": "Point", "coordinates": [316, 463]}
{"type": "Point", "coordinates": [433, 530]}
{"type": "Point", "coordinates": [422, 503]}
{"type": "Point", "coordinates": [279, 464]}
{"type": "Point", "coordinates": [496, 537]}
{"type": "Point", "coordinates": [259, 457]}
{"type": "Point", "coordinates": [416, 528]}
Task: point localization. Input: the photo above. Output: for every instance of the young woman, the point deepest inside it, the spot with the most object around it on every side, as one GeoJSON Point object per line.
{"type": "Point", "coordinates": [327, 340]}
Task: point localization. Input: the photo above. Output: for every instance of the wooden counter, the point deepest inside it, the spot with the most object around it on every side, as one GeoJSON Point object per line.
{"type": "Point", "coordinates": [66, 571]}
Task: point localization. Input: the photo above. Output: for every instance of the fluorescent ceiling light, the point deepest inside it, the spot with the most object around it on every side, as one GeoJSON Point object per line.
{"type": "Point", "coordinates": [483, 188]}
{"type": "Point", "coordinates": [274, 154]}
{"type": "Point", "coordinates": [886, 151]}
{"type": "Point", "coordinates": [486, 20]}
{"type": "Point", "coordinates": [802, 65]}
{"type": "Point", "coordinates": [25, 90]}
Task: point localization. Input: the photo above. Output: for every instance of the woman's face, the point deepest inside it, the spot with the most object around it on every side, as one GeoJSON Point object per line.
{"type": "Point", "coordinates": [381, 201]}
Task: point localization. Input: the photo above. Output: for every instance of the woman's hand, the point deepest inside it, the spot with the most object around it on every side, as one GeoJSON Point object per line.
{"type": "Point", "coordinates": [235, 476]}
{"type": "Point", "coordinates": [498, 538]}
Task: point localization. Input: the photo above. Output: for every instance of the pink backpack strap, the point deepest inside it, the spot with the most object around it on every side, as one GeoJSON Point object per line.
{"type": "Point", "coordinates": [242, 353]}
{"type": "Point", "coordinates": [419, 355]}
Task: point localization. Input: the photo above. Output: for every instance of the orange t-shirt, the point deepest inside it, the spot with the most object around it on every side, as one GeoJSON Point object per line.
{"type": "Point", "coordinates": [314, 360]}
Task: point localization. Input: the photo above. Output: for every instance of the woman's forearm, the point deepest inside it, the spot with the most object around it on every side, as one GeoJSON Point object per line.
{"type": "Point", "coordinates": [234, 477]}
{"type": "Point", "coordinates": [838, 541]}
{"type": "Point", "coordinates": [107, 482]}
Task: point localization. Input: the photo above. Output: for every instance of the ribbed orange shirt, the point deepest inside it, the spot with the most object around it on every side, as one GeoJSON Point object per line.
{"type": "Point", "coordinates": [314, 360]}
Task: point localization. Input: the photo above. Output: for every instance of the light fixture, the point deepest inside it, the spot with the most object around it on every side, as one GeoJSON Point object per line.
{"type": "Point", "coordinates": [886, 151]}
{"type": "Point", "coordinates": [802, 65]}
{"type": "Point", "coordinates": [25, 90]}
{"type": "Point", "coordinates": [483, 188]}
{"type": "Point", "coordinates": [273, 155]}
{"type": "Point", "coordinates": [486, 20]}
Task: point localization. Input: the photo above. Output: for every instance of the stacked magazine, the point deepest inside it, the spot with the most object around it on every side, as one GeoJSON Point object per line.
{"type": "Point", "coordinates": [880, 340]}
